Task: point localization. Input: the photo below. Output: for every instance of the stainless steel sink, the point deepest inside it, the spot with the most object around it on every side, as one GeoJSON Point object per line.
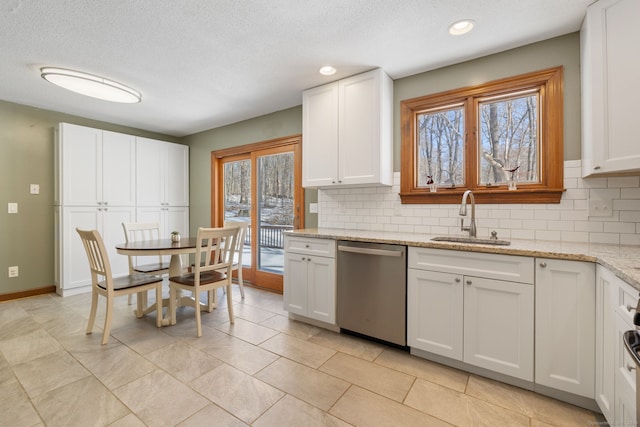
{"type": "Point", "coordinates": [475, 240]}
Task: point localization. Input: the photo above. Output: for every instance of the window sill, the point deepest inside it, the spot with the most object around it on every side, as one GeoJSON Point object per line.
{"type": "Point", "coordinates": [484, 196]}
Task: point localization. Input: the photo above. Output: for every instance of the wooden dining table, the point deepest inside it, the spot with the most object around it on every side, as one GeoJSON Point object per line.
{"type": "Point", "coordinates": [185, 245]}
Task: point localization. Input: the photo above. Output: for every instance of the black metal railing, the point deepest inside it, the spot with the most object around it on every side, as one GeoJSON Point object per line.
{"type": "Point", "coordinates": [270, 236]}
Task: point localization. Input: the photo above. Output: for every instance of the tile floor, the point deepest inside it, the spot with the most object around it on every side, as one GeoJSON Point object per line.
{"type": "Point", "coordinates": [265, 370]}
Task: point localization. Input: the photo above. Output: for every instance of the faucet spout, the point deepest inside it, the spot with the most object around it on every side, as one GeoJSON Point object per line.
{"type": "Point", "coordinates": [463, 212]}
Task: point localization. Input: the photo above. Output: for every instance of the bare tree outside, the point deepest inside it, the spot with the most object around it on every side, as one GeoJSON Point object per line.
{"type": "Point", "coordinates": [441, 147]}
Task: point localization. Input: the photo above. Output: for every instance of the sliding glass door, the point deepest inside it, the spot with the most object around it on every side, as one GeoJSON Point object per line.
{"type": "Point", "coordinates": [261, 186]}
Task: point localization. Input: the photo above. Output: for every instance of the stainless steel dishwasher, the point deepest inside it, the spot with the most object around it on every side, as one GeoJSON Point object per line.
{"type": "Point", "coordinates": [372, 290]}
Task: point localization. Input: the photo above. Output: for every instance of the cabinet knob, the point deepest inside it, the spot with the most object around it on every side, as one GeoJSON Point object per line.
{"type": "Point", "coordinates": [457, 280]}
{"type": "Point", "coordinates": [304, 258]}
{"type": "Point", "coordinates": [630, 308]}
{"type": "Point", "coordinates": [307, 246]}
{"type": "Point", "coordinates": [468, 282]}
{"type": "Point", "coordinates": [105, 203]}
{"type": "Point", "coordinates": [308, 259]}
{"type": "Point", "coordinates": [630, 367]}
{"type": "Point", "coordinates": [543, 264]}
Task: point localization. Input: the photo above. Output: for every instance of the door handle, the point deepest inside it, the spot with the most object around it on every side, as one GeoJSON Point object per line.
{"type": "Point", "coordinates": [369, 251]}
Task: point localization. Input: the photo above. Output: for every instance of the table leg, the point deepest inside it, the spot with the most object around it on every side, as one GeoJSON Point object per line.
{"type": "Point", "coordinates": [175, 269]}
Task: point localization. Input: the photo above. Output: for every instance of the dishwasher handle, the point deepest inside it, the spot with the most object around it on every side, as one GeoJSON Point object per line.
{"type": "Point", "coordinates": [369, 251]}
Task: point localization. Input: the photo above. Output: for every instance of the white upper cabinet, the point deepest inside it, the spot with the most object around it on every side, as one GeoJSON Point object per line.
{"type": "Point", "coordinates": [609, 36]}
{"type": "Point", "coordinates": [162, 173]}
{"type": "Point", "coordinates": [347, 132]}
{"type": "Point", "coordinates": [95, 167]}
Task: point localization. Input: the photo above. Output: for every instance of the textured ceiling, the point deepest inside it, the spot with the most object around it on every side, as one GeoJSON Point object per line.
{"type": "Point", "coordinates": [201, 64]}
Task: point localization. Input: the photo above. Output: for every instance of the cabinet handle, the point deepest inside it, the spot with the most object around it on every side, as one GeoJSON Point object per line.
{"type": "Point", "coordinates": [630, 308]}
{"type": "Point", "coordinates": [543, 264]}
{"type": "Point", "coordinates": [596, 168]}
{"type": "Point", "coordinates": [105, 203]}
{"type": "Point", "coordinates": [457, 280]}
{"type": "Point", "coordinates": [468, 282]}
{"type": "Point", "coordinates": [307, 246]}
{"type": "Point", "coordinates": [630, 367]}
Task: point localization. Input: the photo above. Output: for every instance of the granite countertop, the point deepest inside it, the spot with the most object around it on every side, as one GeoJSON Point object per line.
{"type": "Point", "coordinates": [622, 260]}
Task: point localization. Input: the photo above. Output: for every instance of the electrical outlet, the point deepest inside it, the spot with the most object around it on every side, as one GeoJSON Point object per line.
{"type": "Point", "coordinates": [12, 207]}
{"type": "Point", "coordinates": [34, 189]}
{"type": "Point", "coordinates": [600, 208]}
{"type": "Point", "coordinates": [13, 271]}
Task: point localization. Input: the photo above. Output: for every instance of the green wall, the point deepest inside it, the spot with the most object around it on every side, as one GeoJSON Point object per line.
{"type": "Point", "coordinates": [26, 150]}
{"type": "Point", "coordinates": [564, 50]}
{"type": "Point", "coordinates": [26, 157]}
{"type": "Point", "coordinates": [275, 125]}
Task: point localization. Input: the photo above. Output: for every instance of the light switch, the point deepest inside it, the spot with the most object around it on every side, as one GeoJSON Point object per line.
{"type": "Point", "coordinates": [13, 208]}
{"type": "Point", "coordinates": [34, 189]}
{"type": "Point", "coordinates": [313, 208]}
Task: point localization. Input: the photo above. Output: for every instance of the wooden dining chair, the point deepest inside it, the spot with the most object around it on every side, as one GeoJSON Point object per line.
{"type": "Point", "coordinates": [215, 248]}
{"type": "Point", "coordinates": [103, 283]}
{"type": "Point", "coordinates": [237, 258]}
{"type": "Point", "coordinates": [136, 232]}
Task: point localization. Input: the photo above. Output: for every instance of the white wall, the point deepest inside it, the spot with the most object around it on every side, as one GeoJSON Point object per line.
{"type": "Point", "coordinates": [379, 208]}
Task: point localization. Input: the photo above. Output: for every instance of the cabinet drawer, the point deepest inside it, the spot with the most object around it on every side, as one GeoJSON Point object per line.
{"type": "Point", "coordinates": [627, 299]}
{"type": "Point", "coordinates": [491, 266]}
{"type": "Point", "coordinates": [310, 246]}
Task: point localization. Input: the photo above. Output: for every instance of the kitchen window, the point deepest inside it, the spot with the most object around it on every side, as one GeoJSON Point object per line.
{"type": "Point", "coordinates": [502, 139]}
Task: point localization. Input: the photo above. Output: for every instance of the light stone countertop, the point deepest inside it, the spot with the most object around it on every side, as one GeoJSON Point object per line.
{"type": "Point", "coordinates": [622, 260]}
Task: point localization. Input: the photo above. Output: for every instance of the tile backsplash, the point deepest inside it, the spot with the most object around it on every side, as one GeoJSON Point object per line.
{"type": "Point", "coordinates": [379, 208]}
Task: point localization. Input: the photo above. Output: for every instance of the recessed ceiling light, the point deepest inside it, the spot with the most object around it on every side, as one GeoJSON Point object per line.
{"type": "Point", "coordinates": [327, 70]}
{"type": "Point", "coordinates": [90, 85]}
{"type": "Point", "coordinates": [461, 27]}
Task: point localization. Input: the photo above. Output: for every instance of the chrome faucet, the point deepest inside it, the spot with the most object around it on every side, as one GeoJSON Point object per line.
{"type": "Point", "coordinates": [463, 212]}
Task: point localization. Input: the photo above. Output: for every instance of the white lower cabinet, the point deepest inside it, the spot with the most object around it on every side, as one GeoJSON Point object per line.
{"type": "Point", "coordinates": [615, 369]}
{"type": "Point", "coordinates": [606, 289]}
{"type": "Point", "coordinates": [310, 278]}
{"type": "Point", "coordinates": [565, 326]}
{"type": "Point", "coordinates": [74, 273]}
{"type": "Point", "coordinates": [481, 321]}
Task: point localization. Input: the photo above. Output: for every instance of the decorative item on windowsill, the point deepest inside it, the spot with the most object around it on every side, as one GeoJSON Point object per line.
{"type": "Point", "coordinates": [175, 236]}
{"type": "Point", "coordinates": [512, 182]}
{"type": "Point", "coordinates": [433, 187]}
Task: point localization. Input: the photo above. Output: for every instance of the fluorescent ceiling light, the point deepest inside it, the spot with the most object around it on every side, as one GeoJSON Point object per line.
{"type": "Point", "coordinates": [90, 85]}
{"type": "Point", "coordinates": [461, 27]}
{"type": "Point", "coordinates": [327, 70]}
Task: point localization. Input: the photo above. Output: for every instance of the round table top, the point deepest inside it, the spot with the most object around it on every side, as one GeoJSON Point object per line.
{"type": "Point", "coordinates": [163, 246]}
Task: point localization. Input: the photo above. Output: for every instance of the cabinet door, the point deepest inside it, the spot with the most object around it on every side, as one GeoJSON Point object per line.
{"type": "Point", "coordinates": [625, 378]}
{"type": "Point", "coordinates": [111, 219]}
{"type": "Point", "coordinates": [177, 174]}
{"type": "Point", "coordinates": [119, 167]}
{"type": "Point", "coordinates": [320, 136]}
{"type": "Point", "coordinates": [565, 296]}
{"type": "Point", "coordinates": [295, 283]}
{"type": "Point", "coordinates": [321, 290]}
{"type": "Point", "coordinates": [609, 86]}
{"type": "Point", "coordinates": [80, 165]}
{"type": "Point", "coordinates": [435, 312]}
{"type": "Point", "coordinates": [150, 172]}
{"type": "Point", "coordinates": [606, 286]}
{"type": "Point", "coordinates": [75, 266]}
{"type": "Point", "coordinates": [362, 112]}
{"type": "Point", "coordinates": [498, 326]}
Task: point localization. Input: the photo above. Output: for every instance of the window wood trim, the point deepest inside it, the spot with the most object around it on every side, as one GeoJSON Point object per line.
{"type": "Point", "coordinates": [551, 186]}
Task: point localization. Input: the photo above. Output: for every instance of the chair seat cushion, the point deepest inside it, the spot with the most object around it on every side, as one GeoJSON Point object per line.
{"type": "Point", "coordinates": [131, 281]}
{"type": "Point", "coordinates": [206, 278]}
{"type": "Point", "coordinates": [151, 268]}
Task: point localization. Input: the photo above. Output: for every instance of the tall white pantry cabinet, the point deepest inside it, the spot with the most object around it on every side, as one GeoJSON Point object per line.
{"type": "Point", "coordinates": [96, 176]}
